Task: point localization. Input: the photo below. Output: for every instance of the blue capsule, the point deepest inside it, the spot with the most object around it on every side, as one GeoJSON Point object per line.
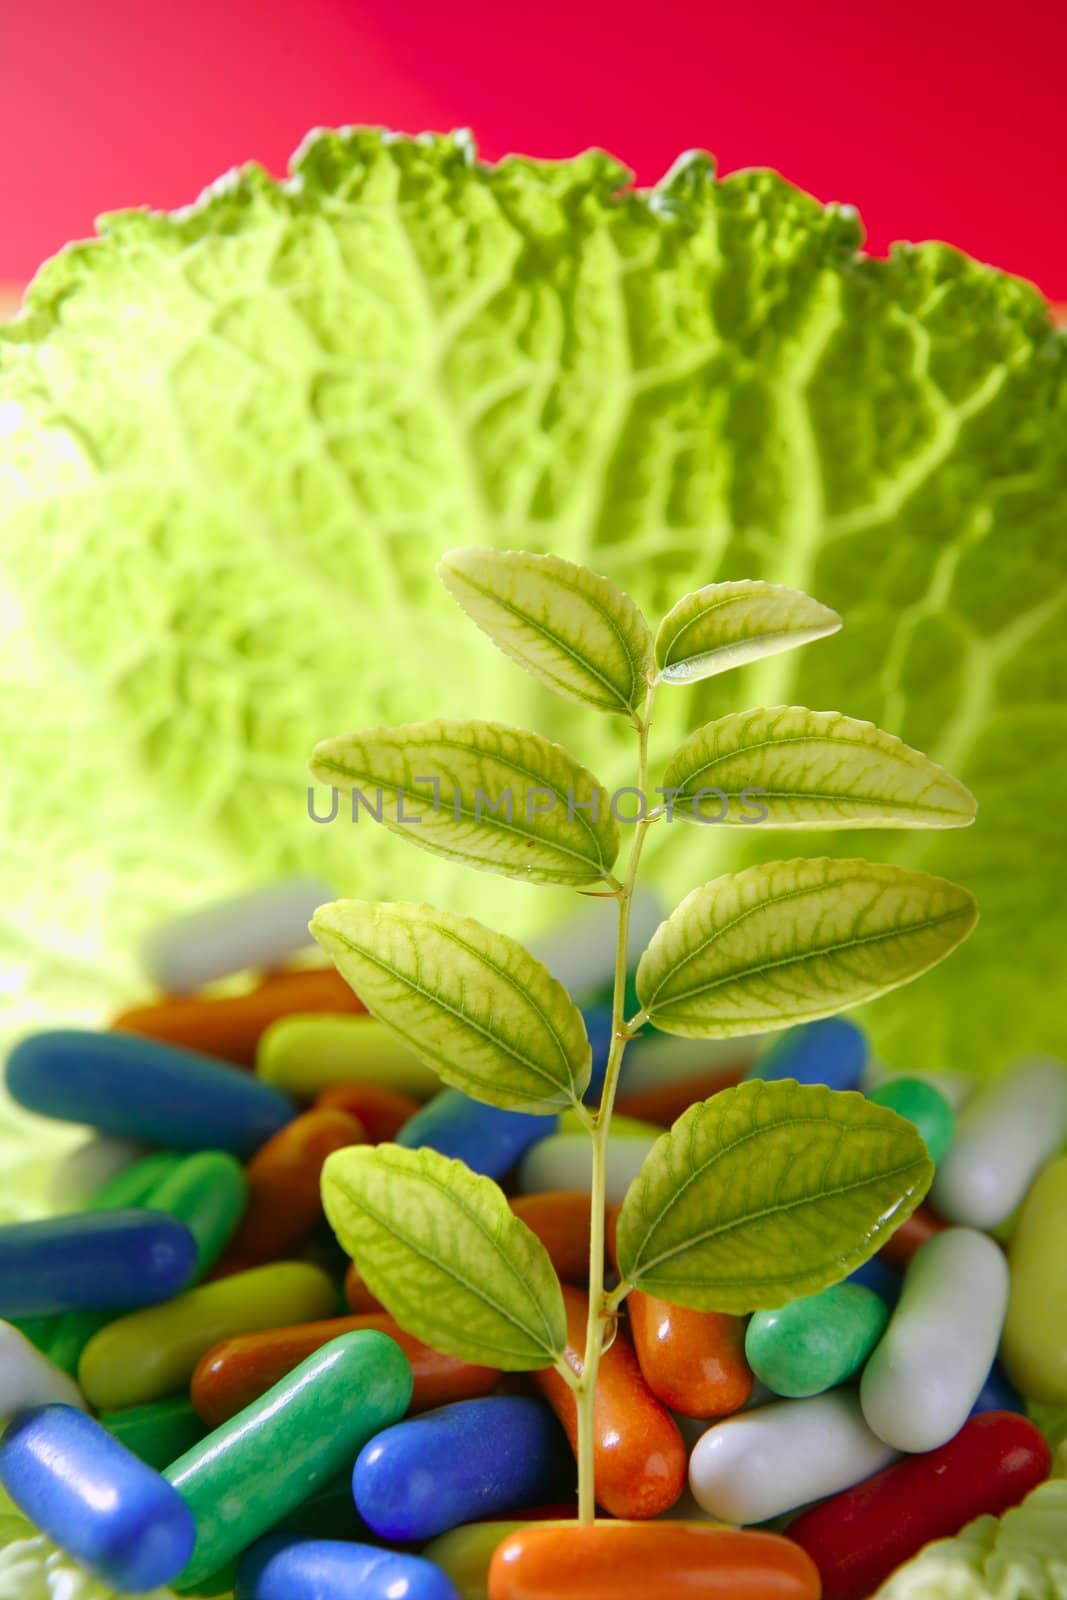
{"type": "Point", "coordinates": [95, 1499]}
{"type": "Point", "coordinates": [600, 1031]}
{"type": "Point", "coordinates": [142, 1089]}
{"type": "Point", "coordinates": [880, 1277]}
{"type": "Point", "coordinates": [93, 1261]}
{"type": "Point", "coordinates": [489, 1140]}
{"type": "Point", "coordinates": [998, 1394]}
{"type": "Point", "coordinates": [281, 1568]}
{"type": "Point", "coordinates": [832, 1051]}
{"type": "Point", "coordinates": [462, 1463]}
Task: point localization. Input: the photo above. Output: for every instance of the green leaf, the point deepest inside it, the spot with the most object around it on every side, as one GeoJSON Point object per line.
{"type": "Point", "coordinates": [575, 631]}
{"type": "Point", "coordinates": [790, 941]}
{"type": "Point", "coordinates": [810, 769]}
{"type": "Point", "coordinates": [442, 1250]}
{"type": "Point", "coordinates": [493, 797]}
{"type": "Point", "coordinates": [767, 1192]}
{"type": "Point", "coordinates": [487, 1017]}
{"type": "Point", "coordinates": [727, 625]}
{"type": "Point", "coordinates": [271, 412]}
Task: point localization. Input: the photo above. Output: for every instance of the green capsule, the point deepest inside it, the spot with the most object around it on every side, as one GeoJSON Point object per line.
{"type": "Point", "coordinates": [256, 1469]}
{"type": "Point", "coordinates": [151, 1353]}
{"type": "Point", "coordinates": [133, 1186]}
{"type": "Point", "coordinates": [919, 1102]}
{"type": "Point", "coordinates": [814, 1343]}
{"type": "Point", "coordinates": [40, 1331]}
{"type": "Point", "coordinates": [208, 1192]}
{"type": "Point", "coordinates": [159, 1432]}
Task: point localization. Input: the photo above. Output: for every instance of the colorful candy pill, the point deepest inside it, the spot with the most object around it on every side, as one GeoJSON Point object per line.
{"type": "Point", "coordinates": [233, 1374]}
{"type": "Point", "coordinates": [258, 1467]}
{"type": "Point", "coordinates": [303, 1055]}
{"type": "Point", "coordinates": [153, 1353]}
{"type": "Point", "coordinates": [157, 1433]}
{"type": "Point", "coordinates": [580, 952]}
{"type": "Point", "coordinates": [638, 1561]}
{"type": "Point", "coordinates": [488, 1139]}
{"type": "Point", "coordinates": [814, 1343]}
{"type": "Point", "coordinates": [919, 1102]}
{"type": "Point", "coordinates": [93, 1261]}
{"type": "Point", "coordinates": [907, 1240]}
{"type": "Point", "coordinates": [561, 1220]}
{"type": "Point", "coordinates": [28, 1378]}
{"type": "Point", "coordinates": [1035, 1332]}
{"type": "Point", "coordinates": [141, 1089]}
{"type": "Point", "coordinates": [382, 1112]}
{"type": "Point", "coordinates": [885, 1280]}
{"type": "Point", "coordinates": [858, 1538]}
{"type": "Point", "coordinates": [80, 1174]}
{"type": "Point", "coordinates": [96, 1500]}
{"type": "Point", "coordinates": [930, 1364]}
{"type": "Point", "coordinates": [1003, 1139]}
{"type": "Point", "coordinates": [639, 1454]}
{"type": "Point", "coordinates": [136, 1184]}
{"type": "Point", "coordinates": [954, 1087]}
{"type": "Point", "coordinates": [565, 1161]}
{"type": "Point", "coordinates": [765, 1462]}
{"type": "Point", "coordinates": [664, 1104]}
{"type": "Point", "coordinates": [659, 1060]}
{"type": "Point", "coordinates": [284, 1187]}
{"type": "Point", "coordinates": [466, 1460]}
{"type": "Point", "coordinates": [329, 1513]}
{"type": "Point", "coordinates": [229, 1027]}
{"type": "Point", "coordinates": [465, 1554]}
{"type": "Point", "coordinates": [280, 1568]}
{"type": "Point", "coordinates": [832, 1051]}
{"type": "Point", "coordinates": [208, 1192]}
{"type": "Point", "coordinates": [260, 929]}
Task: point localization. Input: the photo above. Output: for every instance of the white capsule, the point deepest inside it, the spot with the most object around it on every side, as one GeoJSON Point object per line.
{"type": "Point", "coordinates": [565, 1161]}
{"type": "Point", "coordinates": [1003, 1138]}
{"type": "Point", "coordinates": [580, 952]}
{"type": "Point", "coordinates": [28, 1378]}
{"type": "Point", "coordinates": [762, 1463]}
{"type": "Point", "coordinates": [657, 1059]}
{"type": "Point", "coordinates": [83, 1171]}
{"type": "Point", "coordinates": [928, 1369]}
{"type": "Point", "coordinates": [256, 930]}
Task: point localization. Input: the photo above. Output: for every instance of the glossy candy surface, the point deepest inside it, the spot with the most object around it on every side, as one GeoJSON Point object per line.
{"type": "Point", "coordinates": [142, 1089]}
{"type": "Point", "coordinates": [832, 1051]}
{"type": "Point", "coordinates": [925, 1106]}
{"type": "Point", "coordinates": [382, 1111]}
{"type": "Point", "coordinates": [488, 1139]}
{"type": "Point", "coordinates": [159, 1432]}
{"type": "Point", "coordinates": [464, 1554]}
{"type": "Point", "coordinates": [93, 1261]}
{"type": "Point", "coordinates": [280, 1568]}
{"type": "Point", "coordinates": [305, 1054]}
{"type": "Point", "coordinates": [153, 1353]}
{"type": "Point", "coordinates": [639, 1454]}
{"type": "Point", "coordinates": [816, 1342]}
{"type": "Point", "coordinates": [260, 929]}
{"type": "Point", "coordinates": [96, 1500]}
{"type": "Point", "coordinates": [564, 1161]}
{"type": "Point", "coordinates": [929, 1367]}
{"type": "Point", "coordinates": [561, 1219]}
{"type": "Point", "coordinates": [236, 1372]}
{"type": "Point", "coordinates": [649, 1561]}
{"type": "Point", "coordinates": [208, 1192]}
{"type": "Point", "coordinates": [765, 1462]}
{"type": "Point", "coordinates": [1004, 1136]}
{"type": "Point", "coordinates": [450, 1466]}
{"type": "Point", "coordinates": [28, 1378]}
{"type": "Point", "coordinates": [858, 1538]}
{"type": "Point", "coordinates": [250, 1473]}
{"type": "Point", "coordinates": [1035, 1332]}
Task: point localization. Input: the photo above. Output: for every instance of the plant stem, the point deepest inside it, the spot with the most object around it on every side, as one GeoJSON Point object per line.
{"type": "Point", "coordinates": [585, 1393]}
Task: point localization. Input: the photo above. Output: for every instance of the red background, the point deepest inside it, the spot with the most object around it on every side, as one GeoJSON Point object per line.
{"type": "Point", "coordinates": [941, 119]}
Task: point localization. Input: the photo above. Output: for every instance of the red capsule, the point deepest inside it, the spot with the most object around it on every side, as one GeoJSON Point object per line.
{"type": "Point", "coordinates": [640, 1457]}
{"type": "Point", "coordinates": [665, 1103]}
{"type": "Point", "coordinates": [383, 1112]}
{"type": "Point", "coordinates": [858, 1538]}
{"type": "Point", "coordinates": [649, 1561]}
{"type": "Point", "coordinates": [560, 1218]}
{"type": "Point", "coordinates": [910, 1237]}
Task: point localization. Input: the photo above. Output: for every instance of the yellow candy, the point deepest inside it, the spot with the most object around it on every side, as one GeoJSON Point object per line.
{"type": "Point", "coordinates": [306, 1053]}
{"type": "Point", "coordinates": [1034, 1347]}
{"type": "Point", "coordinates": [464, 1554]}
{"type": "Point", "coordinates": [152, 1353]}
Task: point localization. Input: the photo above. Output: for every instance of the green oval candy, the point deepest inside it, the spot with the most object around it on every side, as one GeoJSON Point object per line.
{"type": "Point", "coordinates": [919, 1102]}
{"type": "Point", "coordinates": [208, 1192]}
{"type": "Point", "coordinates": [258, 1467]}
{"type": "Point", "coordinates": [816, 1342]}
{"type": "Point", "coordinates": [158, 1432]}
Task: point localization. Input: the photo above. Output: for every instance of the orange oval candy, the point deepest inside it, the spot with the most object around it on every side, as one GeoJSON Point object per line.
{"type": "Point", "coordinates": [560, 1218]}
{"type": "Point", "coordinates": [360, 1300]}
{"type": "Point", "coordinates": [284, 1199]}
{"type": "Point", "coordinates": [639, 1455]}
{"type": "Point", "coordinates": [665, 1103]}
{"type": "Point", "coordinates": [383, 1112]}
{"type": "Point", "coordinates": [233, 1374]}
{"type": "Point", "coordinates": [649, 1561]}
{"type": "Point", "coordinates": [229, 1026]}
{"type": "Point", "coordinates": [910, 1237]}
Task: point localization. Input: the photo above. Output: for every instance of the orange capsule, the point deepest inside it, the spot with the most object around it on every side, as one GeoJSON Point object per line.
{"type": "Point", "coordinates": [665, 1103]}
{"type": "Point", "coordinates": [640, 1457]}
{"type": "Point", "coordinates": [229, 1026]}
{"type": "Point", "coordinates": [560, 1218]}
{"type": "Point", "coordinates": [233, 1374]}
{"type": "Point", "coordinates": [909, 1237]}
{"type": "Point", "coordinates": [284, 1200]}
{"type": "Point", "coordinates": [694, 1361]}
{"type": "Point", "coordinates": [360, 1300]}
{"type": "Point", "coordinates": [636, 1560]}
{"type": "Point", "coordinates": [383, 1112]}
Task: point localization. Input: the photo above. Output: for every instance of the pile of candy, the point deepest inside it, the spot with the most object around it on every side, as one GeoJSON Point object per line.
{"type": "Point", "coordinates": [195, 1401]}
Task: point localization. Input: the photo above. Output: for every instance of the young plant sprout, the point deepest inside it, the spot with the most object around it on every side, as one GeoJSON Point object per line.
{"type": "Point", "coordinates": [764, 1192]}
